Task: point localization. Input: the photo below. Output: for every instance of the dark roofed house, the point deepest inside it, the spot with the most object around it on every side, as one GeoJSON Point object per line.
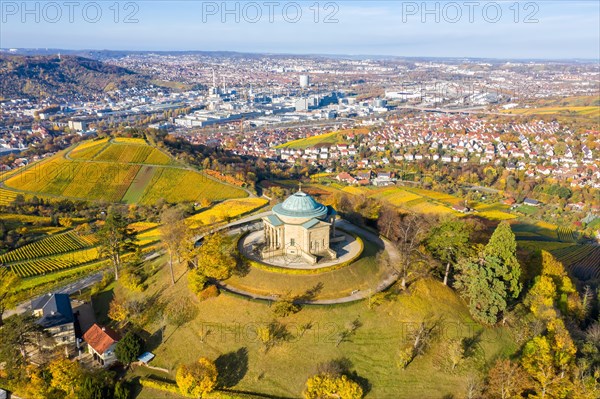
{"type": "Point", "coordinates": [101, 344]}
{"type": "Point", "coordinates": [55, 316]}
{"type": "Point", "coordinates": [531, 202]}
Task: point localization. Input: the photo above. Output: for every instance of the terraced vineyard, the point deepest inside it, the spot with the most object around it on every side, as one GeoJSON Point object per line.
{"type": "Point", "coordinates": [61, 177]}
{"type": "Point", "coordinates": [130, 171]}
{"type": "Point", "coordinates": [224, 211]}
{"type": "Point", "coordinates": [55, 262]}
{"type": "Point", "coordinates": [7, 196]}
{"type": "Point", "coordinates": [582, 260]}
{"type": "Point", "coordinates": [88, 149]}
{"type": "Point", "coordinates": [52, 245]}
{"type": "Point", "coordinates": [130, 140]}
{"type": "Point", "coordinates": [566, 234]}
{"type": "Point", "coordinates": [180, 185]}
{"type": "Point", "coordinates": [132, 153]}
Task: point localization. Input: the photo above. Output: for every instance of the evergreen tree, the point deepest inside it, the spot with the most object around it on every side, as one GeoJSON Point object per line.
{"type": "Point", "coordinates": [503, 245]}
{"type": "Point", "coordinates": [448, 242]}
{"type": "Point", "coordinates": [129, 348]}
{"type": "Point", "coordinates": [481, 284]}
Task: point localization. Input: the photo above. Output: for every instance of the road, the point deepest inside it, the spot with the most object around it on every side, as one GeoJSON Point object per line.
{"type": "Point", "coordinates": [70, 288]}
{"type": "Point", "coordinates": [237, 227]}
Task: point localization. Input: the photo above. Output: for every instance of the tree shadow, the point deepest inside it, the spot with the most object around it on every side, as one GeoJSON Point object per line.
{"type": "Point", "coordinates": [242, 266]}
{"type": "Point", "coordinates": [309, 295]}
{"type": "Point", "coordinates": [152, 341]}
{"type": "Point", "coordinates": [471, 344]}
{"type": "Point", "coordinates": [101, 304]}
{"type": "Point", "coordinates": [232, 367]}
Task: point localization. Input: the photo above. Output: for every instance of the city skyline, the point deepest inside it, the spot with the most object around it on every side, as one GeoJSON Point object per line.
{"type": "Point", "coordinates": [412, 29]}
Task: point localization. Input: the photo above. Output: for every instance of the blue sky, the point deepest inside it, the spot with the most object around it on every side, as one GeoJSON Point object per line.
{"type": "Point", "coordinates": [500, 29]}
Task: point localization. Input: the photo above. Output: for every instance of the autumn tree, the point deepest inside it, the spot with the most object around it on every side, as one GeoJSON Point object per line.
{"type": "Point", "coordinates": [215, 258]}
{"type": "Point", "coordinates": [506, 380]}
{"type": "Point", "coordinates": [549, 359]}
{"type": "Point", "coordinates": [67, 375]}
{"type": "Point", "coordinates": [18, 332]}
{"type": "Point", "coordinates": [118, 310]}
{"type": "Point", "coordinates": [554, 292]}
{"type": "Point", "coordinates": [116, 238]}
{"type": "Point", "coordinates": [328, 386]}
{"type": "Point", "coordinates": [388, 222]}
{"type": "Point", "coordinates": [448, 242]}
{"type": "Point", "coordinates": [173, 234]}
{"type": "Point", "coordinates": [197, 379]}
{"type": "Point", "coordinates": [416, 342]}
{"type": "Point", "coordinates": [8, 282]}
{"type": "Point", "coordinates": [179, 310]}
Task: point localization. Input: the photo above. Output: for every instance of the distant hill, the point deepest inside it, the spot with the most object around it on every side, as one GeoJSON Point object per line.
{"type": "Point", "coordinates": [42, 76]}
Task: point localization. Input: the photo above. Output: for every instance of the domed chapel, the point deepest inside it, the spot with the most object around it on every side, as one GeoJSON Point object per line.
{"type": "Point", "coordinates": [300, 227]}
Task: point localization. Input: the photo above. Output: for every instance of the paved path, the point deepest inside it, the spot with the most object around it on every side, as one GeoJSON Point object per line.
{"type": "Point", "coordinates": [390, 279]}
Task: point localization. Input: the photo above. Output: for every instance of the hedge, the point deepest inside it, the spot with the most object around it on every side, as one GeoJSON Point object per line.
{"type": "Point", "coordinates": [173, 388]}
{"type": "Point", "coordinates": [284, 270]}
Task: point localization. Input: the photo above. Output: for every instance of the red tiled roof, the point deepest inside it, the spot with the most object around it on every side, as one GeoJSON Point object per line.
{"type": "Point", "coordinates": [100, 338]}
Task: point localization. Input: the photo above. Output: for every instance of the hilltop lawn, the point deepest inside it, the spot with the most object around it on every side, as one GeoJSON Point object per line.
{"type": "Point", "coordinates": [226, 327]}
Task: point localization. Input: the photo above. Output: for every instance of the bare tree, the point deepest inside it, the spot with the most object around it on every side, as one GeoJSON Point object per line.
{"type": "Point", "coordinates": [411, 232]}
{"type": "Point", "coordinates": [389, 222]}
{"type": "Point", "coordinates": [173, 234]}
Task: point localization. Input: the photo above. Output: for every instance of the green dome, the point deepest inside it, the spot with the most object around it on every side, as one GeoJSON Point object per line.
{"type": "Point", "coordinates": [301, 205]}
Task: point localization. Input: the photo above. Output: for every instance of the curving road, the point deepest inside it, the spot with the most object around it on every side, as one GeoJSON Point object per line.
{"type": "Point", "coordinates": [390, 279]}
{"type": "Point", "coordinates": [237, 227]}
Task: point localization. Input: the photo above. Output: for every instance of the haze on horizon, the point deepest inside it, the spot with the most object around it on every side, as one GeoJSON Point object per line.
{"type": "Point", "coordinates": [484, 29]}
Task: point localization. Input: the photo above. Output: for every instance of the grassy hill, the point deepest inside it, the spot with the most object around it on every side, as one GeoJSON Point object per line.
{"type": "Point", "coordinates": [39, 76]}
{"type": "Point", "coordinates": [117, 171]}
{"type": "Point", "coordinates": [225, 328]}
{"type": "Point", "coordinates": [327, 138]}
{"type": "Point", "coordinates": [581, 106]}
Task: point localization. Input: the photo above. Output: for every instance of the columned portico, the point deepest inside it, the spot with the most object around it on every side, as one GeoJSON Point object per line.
{"type": "Point", "coordinates": [300, 226]}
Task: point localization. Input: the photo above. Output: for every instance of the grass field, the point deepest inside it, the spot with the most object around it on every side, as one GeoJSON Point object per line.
{"type": "Point", "coordinates": [395, 196]}
{"type": "Point", "coordinates": [225, 210]}
{"type": "Point", "coordinates": [136, 189]}
{"type": "Point", "coordinates": [226, 327]}
{"type": "Point", "coordinates": [409, 198]}
{"type": "Point", "coordinates": [364, 274]}
{"type": "Point", "coordinates": [587, 111]}
{"type": "Point", "coordinates": [494, 211]}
